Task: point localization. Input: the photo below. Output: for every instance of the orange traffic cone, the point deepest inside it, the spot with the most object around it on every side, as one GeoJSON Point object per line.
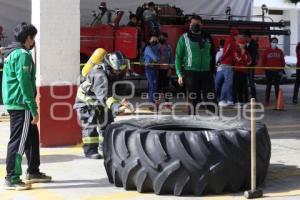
{"type": "Point", "coordinates": [280, 100]}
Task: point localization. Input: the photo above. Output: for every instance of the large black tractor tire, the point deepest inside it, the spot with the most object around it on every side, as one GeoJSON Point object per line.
{"type": "Point", "coordinates": [187, 156]}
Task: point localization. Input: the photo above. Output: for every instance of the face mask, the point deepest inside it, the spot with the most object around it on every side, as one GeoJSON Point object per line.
{"type": "Point", "coordinates": [162, 40]}
{"type": "Point", "coordinates": [195, 28]}
{"type": "Point", "coordinates": [32, 46]}
{"type": "Point", "coordinates": [273, 45]}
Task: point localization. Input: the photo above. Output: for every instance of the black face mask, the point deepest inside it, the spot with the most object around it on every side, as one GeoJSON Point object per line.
{"type": "Point", "coordinates": [32, 46]}
{"type": "Point", "coordinates": [195, 28]}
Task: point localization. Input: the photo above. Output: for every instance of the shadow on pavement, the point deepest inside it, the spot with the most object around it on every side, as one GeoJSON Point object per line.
{"type": "Point", "coordinates": [71, 184]}
{"type": "Point", "coordinates": [59, 158]}
{"type": "Point", "coordinates": [51, 158]}
{"type": "Point", "coordinates": [282, 179]}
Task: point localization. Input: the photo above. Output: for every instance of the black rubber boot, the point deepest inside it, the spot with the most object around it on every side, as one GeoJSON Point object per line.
{"type": "Point", "coordinates": [94, 156]}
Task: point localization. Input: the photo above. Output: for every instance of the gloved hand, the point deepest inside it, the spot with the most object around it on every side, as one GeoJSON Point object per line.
{"type": "Point", "coordinates": [125, 104]}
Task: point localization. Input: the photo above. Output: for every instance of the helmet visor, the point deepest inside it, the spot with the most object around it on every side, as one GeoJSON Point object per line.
{"type": "Point", "coordinates": [120, 65]}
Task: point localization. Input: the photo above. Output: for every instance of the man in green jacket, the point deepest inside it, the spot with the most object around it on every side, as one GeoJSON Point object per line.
{"type": "Point", "coordinates": [195, 66]}
{"type": "Point", "coordinates": [19, 92]}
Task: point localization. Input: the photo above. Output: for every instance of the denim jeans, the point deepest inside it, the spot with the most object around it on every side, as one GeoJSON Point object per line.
{"type": "Point", "coordinates": [226, 92]}
{"type": "Point", "coordinates": [152, 76]}
{"type": "Point", "coordinates": [219, 80]}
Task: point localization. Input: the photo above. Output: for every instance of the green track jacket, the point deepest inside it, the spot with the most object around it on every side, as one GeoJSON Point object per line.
{"type": "Point", "coordinates": [18, 84]}
{"type": "Point", "coordinates": [191, 56]}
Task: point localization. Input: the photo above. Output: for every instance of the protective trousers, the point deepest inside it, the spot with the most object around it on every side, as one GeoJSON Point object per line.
{"type": "Point", "coordinates": [94, 120]}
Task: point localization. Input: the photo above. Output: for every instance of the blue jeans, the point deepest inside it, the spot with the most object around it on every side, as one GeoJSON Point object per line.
{"type": "Point", "coordinates": [226, 93]}
{"type": "Point", "coordinates": [219, 80]}
{"type": "Point", "coordinates": [152, 76]}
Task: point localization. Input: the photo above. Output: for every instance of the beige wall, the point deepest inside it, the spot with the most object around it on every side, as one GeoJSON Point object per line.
{"type": "Point", "coordinates": [58, 41]}
{"type": "Point", "coordinates": [13, 12]}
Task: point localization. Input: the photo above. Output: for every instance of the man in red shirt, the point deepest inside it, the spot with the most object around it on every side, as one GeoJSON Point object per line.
{"type": "Point", "coordinates": [297, 83]}
{"type": "Point", "coordinates": [273, 57]}
{"type": "Point", "coordinates": [242, 59]}
{"type": "Point", "coordinates": [226, 98]}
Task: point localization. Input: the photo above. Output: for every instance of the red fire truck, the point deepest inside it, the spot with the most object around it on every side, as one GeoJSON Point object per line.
{"type": "Point", "coordinates": [111, 36]}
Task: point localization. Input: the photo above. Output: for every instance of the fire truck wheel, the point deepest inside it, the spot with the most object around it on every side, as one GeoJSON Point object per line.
{"type": "Point", "coordinates": [184, 156]}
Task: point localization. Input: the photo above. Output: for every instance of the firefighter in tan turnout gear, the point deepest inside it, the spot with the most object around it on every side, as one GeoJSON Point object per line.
{"type": "Point", "coordinates": [95, 104]}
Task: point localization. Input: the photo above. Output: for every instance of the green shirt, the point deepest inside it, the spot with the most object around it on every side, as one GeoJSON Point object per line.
{"type": "Point", "coordinates": [191, 56]}
{"type": "Point", "coordinates": [18, 84]}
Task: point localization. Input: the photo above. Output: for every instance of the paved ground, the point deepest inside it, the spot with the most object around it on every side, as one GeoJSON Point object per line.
{"type": "Point", "coordinates": [77, 178]}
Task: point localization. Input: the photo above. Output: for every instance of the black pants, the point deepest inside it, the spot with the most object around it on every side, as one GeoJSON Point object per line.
{"type": "Point", "coordinates": [93, 121]}
{"type": "Point", "coordinates": [163, 82]}
{"type": "Point", "coordinates": [251, 74]}
{"type": "Point", "coordinates": [240, 84]}
{"type": "Point", "coordinates": [24, 137]}
{"type": "Point", "coordinates": [200, 88]}
{"type": "Point", "coordinates": [272, 78]}
{"type": "Point", "coordinates": [297, 84]}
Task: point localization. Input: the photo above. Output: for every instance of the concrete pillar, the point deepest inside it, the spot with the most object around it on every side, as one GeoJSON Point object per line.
{"type": "Point", "coordinates": [57, 61]}
{"type": "Point", "coordinates": [295, 30]}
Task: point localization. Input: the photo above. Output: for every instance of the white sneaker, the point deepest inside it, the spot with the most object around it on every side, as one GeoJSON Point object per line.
{"type": "Point", "coordinates": [230, 103]}
{"type": "Point", "coordinates": [4, 114]}
{"type": "Point", "coordinates": [223, 104]}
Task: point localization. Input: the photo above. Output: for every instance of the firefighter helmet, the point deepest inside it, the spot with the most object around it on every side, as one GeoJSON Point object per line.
{"type": "Point", "coordinates": [117, 61]}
